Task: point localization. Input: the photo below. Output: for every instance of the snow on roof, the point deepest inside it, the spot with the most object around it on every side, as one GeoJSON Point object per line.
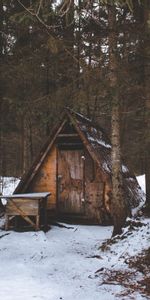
{"type": "Point", "coordinates": [124, 169]}
{"type": "Point", "coordinates": [96, 139]}
{"type": "Point", "coordinates": [102, 148]}
{"type": "Point", "coordinates": [141, 181]}
{"type": "Point", "coordinates": [105, 167]}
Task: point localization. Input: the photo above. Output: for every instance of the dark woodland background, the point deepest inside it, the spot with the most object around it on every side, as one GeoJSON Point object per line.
{"type": "Point", "coordinates": [43, 69]}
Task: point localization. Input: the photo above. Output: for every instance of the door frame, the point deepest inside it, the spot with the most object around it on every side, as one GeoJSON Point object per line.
{"type": "Point", "coordinates": [57, 185]}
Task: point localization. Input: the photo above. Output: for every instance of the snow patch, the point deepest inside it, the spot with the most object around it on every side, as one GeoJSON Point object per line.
{"type": "Point", "coordinates": [106, 167]}
{"type": "Point", "coordinates": [141, 181]}
{"type": "Point", "coordinates": [7, 186]}
{"type": "Point", "coordinates": [124, 169]}
{"type": "Point", "coordinates": [98, 141]}
{"type": "Point", "coordinates": [63, 263]}
{"type": "Point", "coordinates": [52, 266]}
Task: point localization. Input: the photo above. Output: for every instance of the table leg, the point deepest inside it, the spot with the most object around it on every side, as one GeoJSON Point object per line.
{"type": "Point", "coordinates": [37, 222]}
{"type": "Point", "coordinates": [16, 222]}
{"type": "Point", "coordinates": [6, 222]}
{"type": "Point", "coordinates": [45, 214]}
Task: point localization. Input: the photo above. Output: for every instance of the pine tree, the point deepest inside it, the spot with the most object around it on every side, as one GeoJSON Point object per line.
{"type": "Point", "coordinates": [118, 208]}
{"type": "Point", "coordinates": [147, 101]}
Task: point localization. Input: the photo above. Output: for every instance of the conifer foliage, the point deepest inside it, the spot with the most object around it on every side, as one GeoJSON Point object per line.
{"type": "Point", "coordinates": [72, 53]}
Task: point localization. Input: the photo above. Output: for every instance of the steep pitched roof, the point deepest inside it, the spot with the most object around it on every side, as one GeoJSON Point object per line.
{"type": "Point", "coordinates": [98, 145]}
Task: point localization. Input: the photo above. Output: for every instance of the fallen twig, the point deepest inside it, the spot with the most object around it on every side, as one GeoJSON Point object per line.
{"type": "Point", "coordinates": [62, 226]}
{"type": "Point", "coordinates": [1, 236]}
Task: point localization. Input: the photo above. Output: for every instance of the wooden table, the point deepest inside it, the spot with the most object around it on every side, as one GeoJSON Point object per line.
{"type": "Point", "coordinates": [26, 205]}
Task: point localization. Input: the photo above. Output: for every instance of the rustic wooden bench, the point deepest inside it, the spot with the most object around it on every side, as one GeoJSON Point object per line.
{"type": "Point", "coordinates": [26, 205]}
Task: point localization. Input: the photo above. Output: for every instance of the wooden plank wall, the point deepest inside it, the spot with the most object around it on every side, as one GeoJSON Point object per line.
{"type": "Point", "coordinates": [94, 191]}
{"type": "Point", "coordinates": [70, 187]}
{"type": "Point", "coordinates": [29, 207]}
{"type": "Point", "coordinates": [45, 179]}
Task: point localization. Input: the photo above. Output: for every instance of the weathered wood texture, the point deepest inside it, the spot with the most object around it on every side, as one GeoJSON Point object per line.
{"type": "Point", "coordinates": [70, 181]}
{"type": "Point", "coordinates": [45, 179]}
{"type": "Point", "coordinates": [79, 176]}
{"type": "Point", "coordinates": [23, 208]}
{"type": "Point", "coordinates": [94, 191]}
{"type": "Point", "coordinates": [28, 206]}
{"type": "Point", "coordinates": [80, 187]}
{"type": "Point", "coordinates": [75, 184]}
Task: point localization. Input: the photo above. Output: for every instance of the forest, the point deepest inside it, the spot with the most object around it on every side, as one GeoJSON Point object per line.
{"type": "Point", "coordinates": [90, 59]}
{"type": "Point", "coordinates": [60, 57]}
{"type": "Point", "coordinates": [56, 54]}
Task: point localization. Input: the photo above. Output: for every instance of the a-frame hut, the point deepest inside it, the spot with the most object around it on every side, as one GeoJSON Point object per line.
{"type": "Point", "coordinates": [74, 165]}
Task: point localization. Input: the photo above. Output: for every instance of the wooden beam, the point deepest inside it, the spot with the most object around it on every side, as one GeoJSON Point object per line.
{"type": "Point", "coordinates": [88, 146]}
{"type": "Point", "coordinates": [35, 169]}
{"type": "Point", "coordinates": [68, 135]}
{"type": "Point", "coordinates": [70, 144]}
{"type": "Point", "coordinates": [6, 222]}
{"type": "Point", "coordinates": [21, 212]}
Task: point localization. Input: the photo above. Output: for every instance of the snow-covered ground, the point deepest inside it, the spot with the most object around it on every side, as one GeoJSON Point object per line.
{"type": "Point", "coordinates": [51, 266]}
{"type": "Point", "coordinates": [67, 263]}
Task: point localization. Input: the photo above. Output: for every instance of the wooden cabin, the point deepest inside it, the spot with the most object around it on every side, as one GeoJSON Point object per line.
{"type": "Point", "coordinates": [74, 165]}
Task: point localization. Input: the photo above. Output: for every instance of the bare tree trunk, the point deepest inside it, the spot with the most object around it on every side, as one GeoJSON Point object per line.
{"type": "Point", "coordinates": [78, 37]}
{"type": "Point", "coordinates": [79, 42]}
{"type": "Point", "coordinates": [23, 144]}
{"type": "Point", "coordinates": [47, 93]}
{"type": "Point", "coordinates": [118, 207]}
{"type": "Point", "coordinates": [1, 95]}
{"type": "Point", "coordinates": [30, 140]}
{"type": "Point", "coordinates": [1, 28]}
{"type": "Point", "coordinates": [147, 102]}
{"type": "Point", "coordinates": [1, 154]}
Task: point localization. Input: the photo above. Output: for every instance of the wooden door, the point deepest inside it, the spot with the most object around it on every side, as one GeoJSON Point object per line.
{"type": "Point", "coordinates": [70, 181]}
